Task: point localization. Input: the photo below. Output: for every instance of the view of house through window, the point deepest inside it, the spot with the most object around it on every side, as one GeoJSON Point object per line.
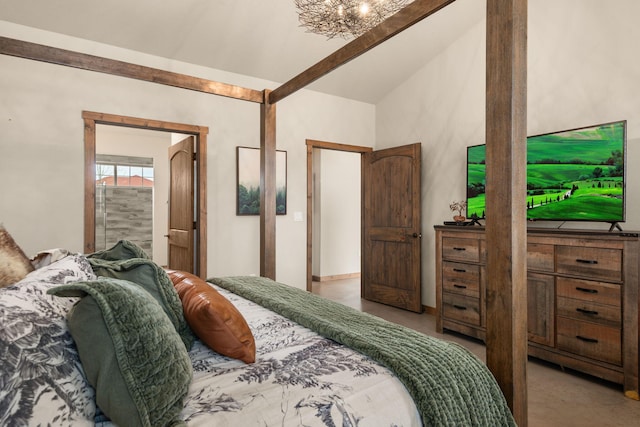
{"type": "Point", "coordinates": [122, 175]}
{"type": "Point", "coordinates": [124, 201]}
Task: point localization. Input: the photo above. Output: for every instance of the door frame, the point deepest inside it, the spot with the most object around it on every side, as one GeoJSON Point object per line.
{"type": "Point", "coordinates": [311, 144]}
{"type": "Point", "coordinates": [91, 119]}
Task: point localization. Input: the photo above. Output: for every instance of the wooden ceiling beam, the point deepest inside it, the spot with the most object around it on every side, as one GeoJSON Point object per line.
{"type": "Point", "coordinates": [405, 18]}
{"type": "Point", "coordinates": [52, 55]}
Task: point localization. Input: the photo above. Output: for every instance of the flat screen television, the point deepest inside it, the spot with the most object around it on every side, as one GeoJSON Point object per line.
{"type": "Point", "coordinates": [572, 175]}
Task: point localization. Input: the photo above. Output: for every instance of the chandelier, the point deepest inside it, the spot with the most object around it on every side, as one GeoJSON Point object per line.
{"type": "Point", "coordinates": [345, 18]}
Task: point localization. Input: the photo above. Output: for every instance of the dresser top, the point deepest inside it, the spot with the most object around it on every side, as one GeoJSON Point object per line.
{"type": "Point", "coordinates": [552, 231]}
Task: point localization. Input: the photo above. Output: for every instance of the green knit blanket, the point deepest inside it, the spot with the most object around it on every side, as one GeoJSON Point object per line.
{"type": "Point", "coordinates": [449, 385]}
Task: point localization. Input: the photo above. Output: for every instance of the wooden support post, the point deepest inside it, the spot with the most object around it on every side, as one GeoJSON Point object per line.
{"type": "Point", "coordinates": [506, 109]}
{"type": "Point", "coordinates": [267, 188]}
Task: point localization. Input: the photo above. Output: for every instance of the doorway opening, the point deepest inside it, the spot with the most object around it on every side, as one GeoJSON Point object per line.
{"type": "Point", "coordinates": [91, 121]}
{"type": "Point", "coordinates": [125, 194]}
{"type": "Point", "coordinates": [391, 260]}
{"type": "Point", "coordinates": [328, 206]}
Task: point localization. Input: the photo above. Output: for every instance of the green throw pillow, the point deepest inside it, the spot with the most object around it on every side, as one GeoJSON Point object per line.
{"type": "Point", "coordinates": [130, 352]}
{"type": "Point", "coordinates": [124, 249]}
{"type": "Point", "coordinates": [153, 279]}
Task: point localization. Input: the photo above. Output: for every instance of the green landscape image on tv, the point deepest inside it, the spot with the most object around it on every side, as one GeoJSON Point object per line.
{"type": "Point", "coordinates": [572, 175]}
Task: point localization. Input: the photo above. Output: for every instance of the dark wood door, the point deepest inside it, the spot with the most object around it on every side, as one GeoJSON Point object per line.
{"type": "Point", "coordinates": [181, 206]}
{"type": "Point", "coordinates": [391, 222]}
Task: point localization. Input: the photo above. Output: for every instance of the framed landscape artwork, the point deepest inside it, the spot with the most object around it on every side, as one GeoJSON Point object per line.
{"type": "Point", "coordinates": [248, 181]}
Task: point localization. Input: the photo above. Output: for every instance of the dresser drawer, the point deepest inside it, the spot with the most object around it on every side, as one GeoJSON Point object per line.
{"type": "Point", "coordinates": [593, 263]}
{"type": "Point", "coordinates": [456, 249]}
{"type": "Point", "coordinates": [462, 308]}
{"type": "Point", "coordinates": [540, 257]}
{"type": "Point", "coordinates": [590, 340]}
{"type": "Point", "coordinates": [589, 291]}
{"type": "Point", "coordinates": [606, 315]}
{"type": "Point", "coordinates": [461, 278]}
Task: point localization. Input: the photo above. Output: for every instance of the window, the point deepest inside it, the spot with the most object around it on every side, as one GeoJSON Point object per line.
{"type": "Point", "coordinates": [123, 171]}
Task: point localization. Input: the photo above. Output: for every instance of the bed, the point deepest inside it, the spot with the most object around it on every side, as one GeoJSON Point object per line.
{"type": "Point", "coordinates": [112, 339]}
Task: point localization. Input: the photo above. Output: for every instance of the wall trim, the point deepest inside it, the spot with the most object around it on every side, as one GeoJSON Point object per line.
{"type": "Point", "coordinates": [335, 277]}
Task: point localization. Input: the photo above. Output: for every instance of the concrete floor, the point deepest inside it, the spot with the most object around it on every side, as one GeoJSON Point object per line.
{"type": "Point", "coordinates": [557, 397]}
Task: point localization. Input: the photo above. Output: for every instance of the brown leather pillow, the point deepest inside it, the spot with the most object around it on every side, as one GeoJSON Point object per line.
{"type": "Point", "coordinates": [213, 318]}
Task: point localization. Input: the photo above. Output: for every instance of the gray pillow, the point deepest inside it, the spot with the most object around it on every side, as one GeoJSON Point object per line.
{"type": "Point", "coordinates": [130, 352]}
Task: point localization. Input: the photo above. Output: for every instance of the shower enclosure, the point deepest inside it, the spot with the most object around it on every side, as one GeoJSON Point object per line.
{"type": "Point", "coordinates": [124, 201]}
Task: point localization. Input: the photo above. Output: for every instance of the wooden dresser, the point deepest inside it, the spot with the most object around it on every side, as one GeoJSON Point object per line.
{"type": "Point", "coordinates": [582, 296]}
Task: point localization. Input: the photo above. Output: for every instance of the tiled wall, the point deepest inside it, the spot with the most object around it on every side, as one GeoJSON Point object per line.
{"type": "Point", "coordinates": [124, 213]}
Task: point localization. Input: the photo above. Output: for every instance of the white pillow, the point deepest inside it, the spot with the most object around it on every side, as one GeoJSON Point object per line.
{"type": "Point", "coordinates": [45, 258]}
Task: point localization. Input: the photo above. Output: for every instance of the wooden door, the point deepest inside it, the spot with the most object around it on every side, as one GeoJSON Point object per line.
{"type": "Point", "coordinates": [181, 206]}
{"type": "Point", "coordinates": [391, 223]}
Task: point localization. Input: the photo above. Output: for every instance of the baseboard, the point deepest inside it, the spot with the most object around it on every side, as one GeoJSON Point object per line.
{"type": "Point", "coordinates": [429, 310]}
{"type": "Point", "coordinates": [335, 277]}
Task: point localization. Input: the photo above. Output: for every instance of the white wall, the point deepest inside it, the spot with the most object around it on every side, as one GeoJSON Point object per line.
{"type": "Point", "coordinates": [337, 238]}
{"type": "Point", "coordinates": [41, 148]}
{"type": "Point", "coordinates": [582, 70]}
{"type": "Point", "coordinates": [311, 115]}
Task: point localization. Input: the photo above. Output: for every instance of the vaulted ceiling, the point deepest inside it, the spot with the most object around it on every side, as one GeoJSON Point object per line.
{"type": "Point", "coordinates": [258, 38]}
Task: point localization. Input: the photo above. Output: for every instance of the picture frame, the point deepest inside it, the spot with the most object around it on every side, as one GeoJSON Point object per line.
{"type": "Point", "coordinates": [248, 181]}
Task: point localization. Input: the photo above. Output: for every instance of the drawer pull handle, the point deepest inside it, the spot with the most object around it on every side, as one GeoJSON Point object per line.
{"type": "Point", "coordinates": [585, 339]}
{"type": "Point", "coordinates": [586, 261]}
{"type": "Point", "coordinates": [460, 307]}
{"type": "Point", "coordinates": [459, 270]}
{"type": "Point", "coordinates": [585, 311]}
{"type": "Point", "coordinates": [589, 291]}
{"type": "Point", "coordinates": [460, 286]}
{"type": "Point", "coordinates": [459, 249]}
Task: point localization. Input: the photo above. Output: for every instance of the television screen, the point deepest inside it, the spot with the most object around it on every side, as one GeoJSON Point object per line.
{"type": "Point", "coordinates": [572, 175]}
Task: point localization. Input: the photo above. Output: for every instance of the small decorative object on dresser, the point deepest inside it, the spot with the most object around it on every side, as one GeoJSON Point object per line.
{"type": "Point", "coordinates": [458, 207]}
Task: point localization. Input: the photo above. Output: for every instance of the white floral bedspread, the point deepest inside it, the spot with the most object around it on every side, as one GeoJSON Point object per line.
{"type": "Point", "coordinates": [298, 379]}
